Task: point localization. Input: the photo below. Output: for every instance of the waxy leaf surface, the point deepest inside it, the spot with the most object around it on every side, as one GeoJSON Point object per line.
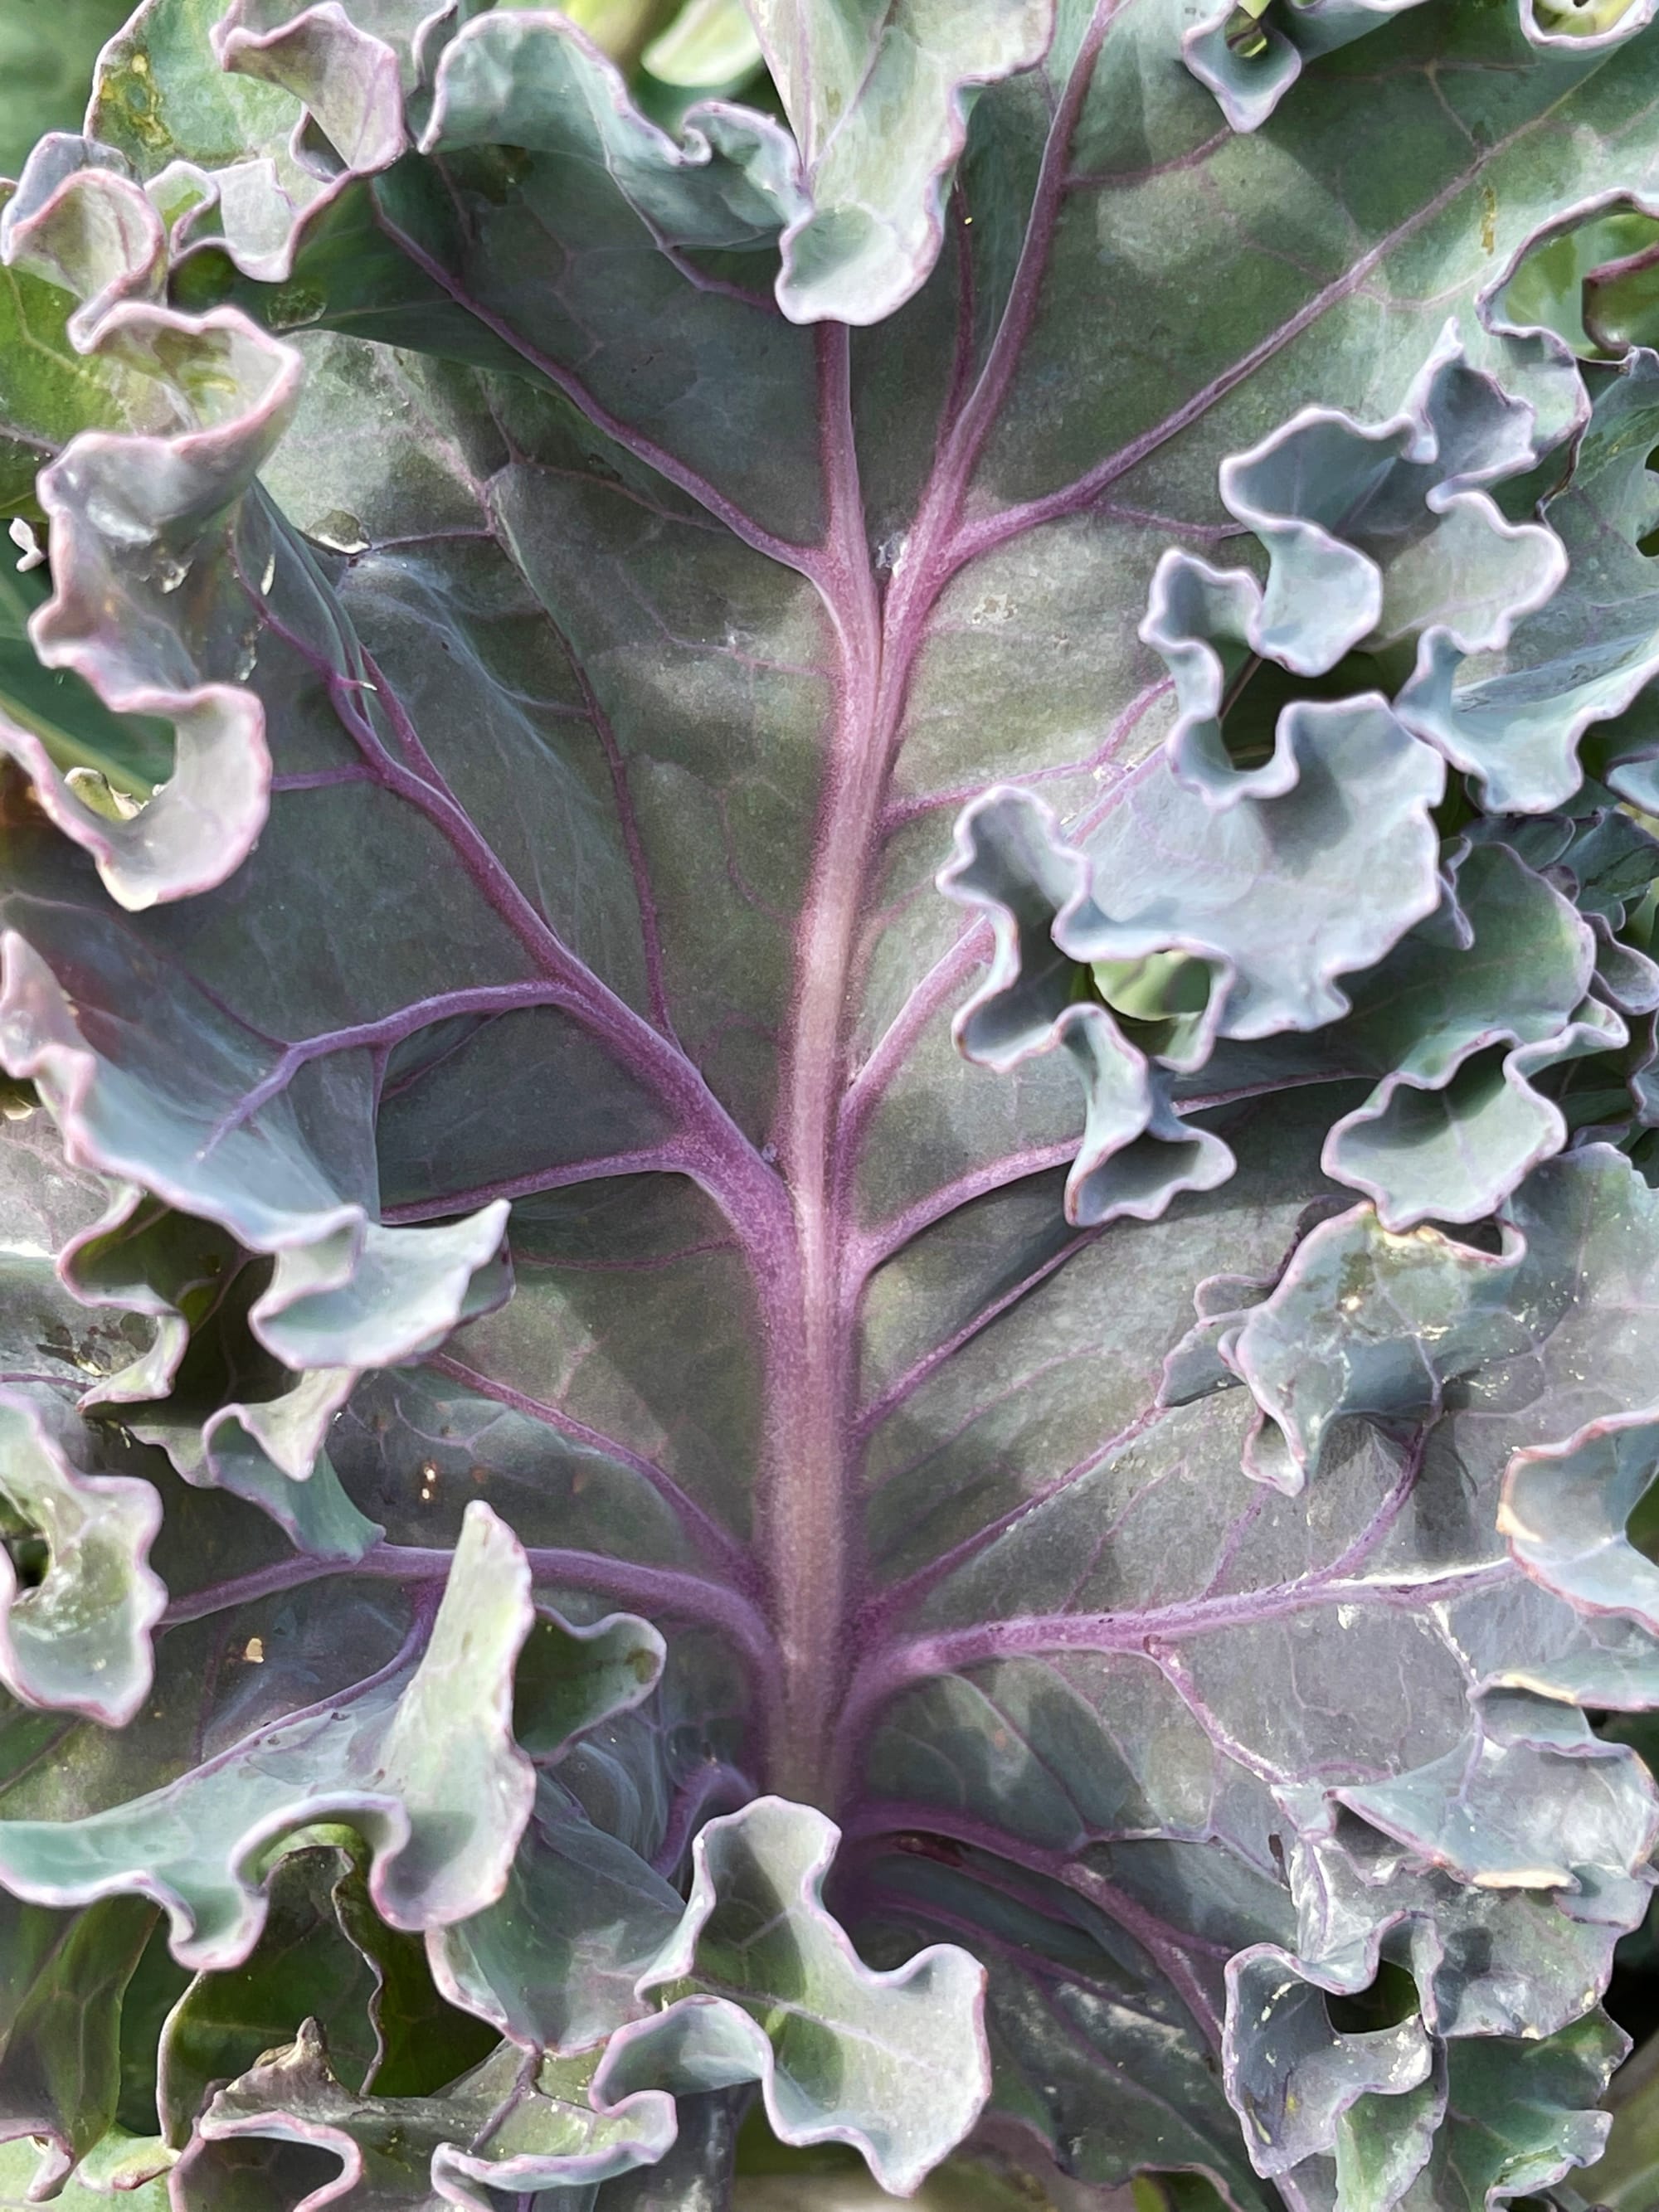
{"type": "Point", "coordinates": [562, 668]}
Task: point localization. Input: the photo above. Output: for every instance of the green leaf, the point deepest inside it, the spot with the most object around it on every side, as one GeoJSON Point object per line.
{"type": "Point", "coordinates": [301, 1967]}
{"type": "Point", "coordinates": [558, 1962]}
{"type": "Point", "coordinates": [570, 1678]}
{"type": "Point", "coordinates": [1625, 2174]}
{"type": "Point", "coordinates": [1523, 2115]}
{"type": "Point", "coordinates": [421, 2040]}
{"type": "Point", "coordinates": [1514, 716]}
{"type": "Point", "coordinates": [325, 1955]}
{"type": "Point", "coordinates": [60, 2023]}
{"type": "Point", "coordinates": [46, 58]}
{"type": "Point", "coordinates": [1366, 1321]}
{"type": "Point", "coordinates": [710, 45]}
{"type": "Point", "coordinates": [127, 2157]}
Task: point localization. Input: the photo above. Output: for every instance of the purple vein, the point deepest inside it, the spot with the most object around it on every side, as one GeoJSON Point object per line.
{"type": "Point", "coordinates": [978, 417]}
{"type": "Point", "coordinates": [930, 560]}
{"type": "Point", "coordinates": [898, 1597]}
{"type": "Point", "coordinates": [671, 1158]}
{"type": "Point", "coordinates": [716, 1543]}
{"type": "Point", "coordinates": [935, 990]}
{"type": "Point", "coordinates": [1167, 1946]}
{"type": "Point", "coordinates": [733, 1169]}
{"type": "Point", "coordinates": [711, 1784]}
{"type": "Point", "coordinates": [391, 1029]}
{"type": "Point", "coordinates": [1173, 1668]}
{"type": "Point", "coordinates": [946, 1652]}
{"type": "Point", "coordinates": [652, 1590]}
{"type": "Point", "coordinates": [1242, 1526]}
{"type": "Point", "coordinates": [874, 1247]}
{"type": "Point", "coordinates": [803, 1517]}
{"type": "Point", "coordinates": [715, 1153]}
{"type": "Point", "coordinates": [906, 1385]}
{"type": "Point", "coordinates": [721, 288]}
{"type": "Point", "coordinates": [939, 1445]}
{"type": "Point", "coordinates": [962, 366]}
{"type": "Point", "coordinates": [1085, 180]}
{"type": "Point", "coordinates": [978, 539]}
{"type": "Point", "coordinates": [932, 995]}
{"type": "Point", "coordinates": [1032, 1964]}
{"type": "Point", "coordinates": [653, 1263]}
{"type": "Point", "coordinates": [949, 1650]}
{"type": "Point", "coordinates": [805, 560]}
{"type": "Point", "coordinates": [920, 803]}
{"type": "Point", "coordinates": [318, 778]}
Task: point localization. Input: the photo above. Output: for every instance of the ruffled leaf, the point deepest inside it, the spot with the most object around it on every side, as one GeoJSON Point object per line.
{"type": "Point", "coordinates": [78, 1599]}
{"type": "Point", "coordinates": [554, 1964]}
{"type": "Point", "coordinates": [1251, 53]}
{"type": "Point", "coordinates": [730, 180]}
{"type": "Point", "coordinates": [511, 2124]}
{"type": "Point", "coordinates": [1377, 532]}
{"type": "Point", "coordinates": [1459, 1027]}
{"type": "Point", "coordinates": [879, 101]}
{"type": "Point", "coordinates": [1368, 1321]}
{"type": "Point", "coordinates": [1486, 1958]}
{"type": "Point", "coordinates": [302, 1967]}
{"type": "Point", "coordinates": [1515, 717]}
{"type": "Point", "coordinates": [168, 497]}
{"type": "Point", "coordinates": [556, 1961]}
{"type": "Point", "coordinates": [388, 1762]}
{"type": "Point", "coordinates": [613, 744]}
{"type": "Point", "coordinates": [1533, 1801]}
{"type": "Point", "coordinates": [343, 1293]}
{"type": "Point", "coordinates": [1247, 896]}
{"type": "Point", "coordinates": [1522, 2116]}
{"type": "Point", "coordinates": [1294, 2077]}
{"type": "Point", "coordinates": [766, 1986]}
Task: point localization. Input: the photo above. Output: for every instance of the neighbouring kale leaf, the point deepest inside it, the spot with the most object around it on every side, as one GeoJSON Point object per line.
{"type": "Point", "coordinates": [830, 1213]}
{"type": "Point", "coordinates": [47, 51]}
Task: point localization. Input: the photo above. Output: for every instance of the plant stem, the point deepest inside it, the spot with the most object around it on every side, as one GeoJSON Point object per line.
{"type": "Point", "coordinates": [804, 1520]}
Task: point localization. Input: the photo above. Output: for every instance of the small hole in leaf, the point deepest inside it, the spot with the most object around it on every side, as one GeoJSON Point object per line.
{"type": "Point", "coordinates": [1475, 1235]}
{"type": "Point", "coordinates": [1391, 1998]}
{"type": "Point", "coordinates": [1642, 1529]}
{"type": "Point", "coordinates": [31, 1558]}
{"type": "Point", "coordinates": [1583, 19]}
{"type": "Point", "coordinates": [1649, 543]}
{"type": "Point", "coordinates": [1242, 31]}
